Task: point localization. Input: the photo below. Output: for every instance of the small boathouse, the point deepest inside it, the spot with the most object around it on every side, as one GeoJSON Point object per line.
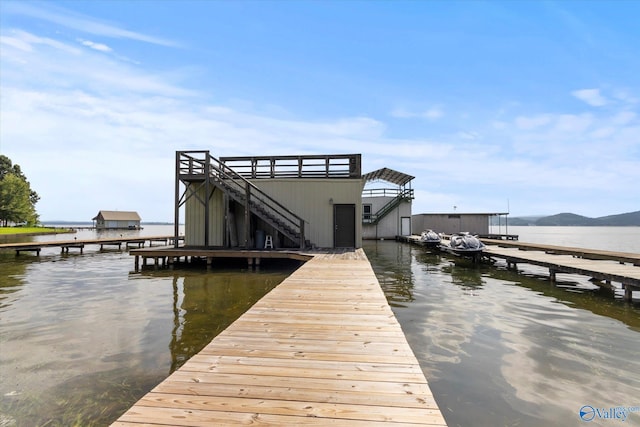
{"type": "Point", "coordinates": [117, 220]}
{"type": "Point", "coordinates": [454, 222]}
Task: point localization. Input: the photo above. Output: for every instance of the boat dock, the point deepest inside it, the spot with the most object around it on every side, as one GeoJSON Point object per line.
{"type": "Point", "coordinates": [322, 348]}
{"type": "Point", "coordinates": [604, 266]}
{"type": "Point", "coordinates": [65, 245]}
{"type": "Point", "coordinates": [615, 268]}
{"type": "Point", "coordinates": [167, 257]}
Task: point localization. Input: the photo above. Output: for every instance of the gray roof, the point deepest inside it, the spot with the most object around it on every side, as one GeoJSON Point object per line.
{"type": "Point", "coordinates": [388, 175]}
{"type": "Point", "coordinates": [117, 216]}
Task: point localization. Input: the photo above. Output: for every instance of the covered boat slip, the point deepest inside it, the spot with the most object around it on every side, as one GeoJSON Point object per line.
{"type": "Point", "coordinates": [322, 348]}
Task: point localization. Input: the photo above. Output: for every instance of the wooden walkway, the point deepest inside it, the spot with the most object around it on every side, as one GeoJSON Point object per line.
{"type": "Point", "coordinates": [322, 348]}
{"type": "Point", "coordinates": [65, 245]}
{"type": "Point", "coordinates": [605, 266]}
{"type": "Point", "coordinates": [594, 254]}
{"type": "Point", "coordinates": [605, 270]}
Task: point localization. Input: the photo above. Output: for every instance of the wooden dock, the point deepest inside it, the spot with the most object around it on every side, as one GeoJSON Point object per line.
{"type": "Point", "coordinates": [65, 245]}
{"type": "Point", "coordinates": [605, 271]}
{"type": "Point", "coordinates": [604, 266]}
{"type": "Point", "coordinates": [322, 348]}
{"type": "Point", "coordinates": [163, 257]}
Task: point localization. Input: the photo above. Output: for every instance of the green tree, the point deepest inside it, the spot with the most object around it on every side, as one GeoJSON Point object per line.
{"type": "Point", "coordinates": [17, 199]}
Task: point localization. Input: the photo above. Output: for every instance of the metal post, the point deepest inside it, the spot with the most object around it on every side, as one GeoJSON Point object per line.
{"type": "Point", "coordinates": [247, 216]}
{"type": "Point", "coordinates": [206, 199]}
{"type": "Point", "coordinates": [176, 218]}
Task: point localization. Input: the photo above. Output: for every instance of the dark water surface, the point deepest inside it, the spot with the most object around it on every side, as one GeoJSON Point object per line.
{"type": "Point", "coordinates": [501, 348]}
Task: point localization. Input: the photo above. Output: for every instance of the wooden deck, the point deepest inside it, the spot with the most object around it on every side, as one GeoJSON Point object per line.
{"type": "Point", "coordinates": [322, 348]}
{"type": "Point", "coordinates": [604, 266]}
{"type": "Point", "coordinates": [604, 270]}
{"type": "Point", "coordinates": [65, 245]}
{"type": "Point", "coordinates": [593, 254]}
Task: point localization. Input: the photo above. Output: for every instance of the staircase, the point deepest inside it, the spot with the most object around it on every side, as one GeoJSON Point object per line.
{"type": "Point", "coordinates": [200, 166]}
{"type": "Point", "coordinates": [374, 218]}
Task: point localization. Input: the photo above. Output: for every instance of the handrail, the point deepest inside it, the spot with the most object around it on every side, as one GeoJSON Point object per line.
{"type": "Point", "coordinates": [381, 192]}
{"type": "Point", "coordinates": [307, 166]}
{"type": "Point", "coordinates": [227, 172]}
{"type": "Point", "coordinates": [192, 165]}
{"type": "Point", "coordinates": [374, 218]}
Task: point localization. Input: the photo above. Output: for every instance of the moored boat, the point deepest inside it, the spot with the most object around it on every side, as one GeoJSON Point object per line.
{"type": "Point", "coordinates": [465, 244]}
{"type": "Point", "coordinates": [430, 238]}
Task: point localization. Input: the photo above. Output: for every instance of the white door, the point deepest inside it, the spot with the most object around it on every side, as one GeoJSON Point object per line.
{"type": "Point", "coordinates": [405, 226]}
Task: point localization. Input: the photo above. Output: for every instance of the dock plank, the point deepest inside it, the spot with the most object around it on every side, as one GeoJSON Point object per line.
{"type": "Point", "coordinates": [322, 348]}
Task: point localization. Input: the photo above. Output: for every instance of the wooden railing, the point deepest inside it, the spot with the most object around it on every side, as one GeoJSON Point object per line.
{"type": "Point", "coordinates": [311, 166]}
{"type": "Point", "coordinates": [200, 165]}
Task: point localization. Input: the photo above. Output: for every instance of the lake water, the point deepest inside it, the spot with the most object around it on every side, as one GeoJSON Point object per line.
{"type": "Point", "coordinates": [505, 348]}
{"type": "Point", "coordinates": [83, 336]}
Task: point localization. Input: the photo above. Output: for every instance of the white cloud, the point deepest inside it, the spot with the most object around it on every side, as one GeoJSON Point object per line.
{"type": "Point", "coordinates": [97, 46]}
{"type": "Point", "coordinates": [533, 122]}
{"type": "Point", "coordinates": [591, 97]}
{"type": "Point", "coordinates": [432, 113]}
{"type": "Point", "coordinates": [469, 135]}
{"type": "Point", "coordinates": [624, 117]}
{"type": "Point", "coordinates": [573, 123]}
{"type": "Point", "coordinates": [48, 12]}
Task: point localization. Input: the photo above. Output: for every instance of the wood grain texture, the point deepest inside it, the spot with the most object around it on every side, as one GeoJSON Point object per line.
{"type": "Point", "coordinates": [322, 348]}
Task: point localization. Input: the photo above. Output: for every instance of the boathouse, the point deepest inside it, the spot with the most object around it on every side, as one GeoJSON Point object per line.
{"type": "Point", "coordinates": [117, 220]}
{"type": "Point", "coordinates": [386, 204]}
{"type": "Point", "coordinates": [269, 201]}
{"type": "Point", "coordinates": [455, 222]}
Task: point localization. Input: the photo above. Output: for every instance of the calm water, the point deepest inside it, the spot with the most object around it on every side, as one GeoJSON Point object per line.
{"type": "Point", "coordinates": [502, 348]}
{"type": "Point", "coordinates": [83, 337]}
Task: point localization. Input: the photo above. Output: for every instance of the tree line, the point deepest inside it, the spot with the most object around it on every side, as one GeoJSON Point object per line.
{"type": "Point", "coordinates": [17, 199]}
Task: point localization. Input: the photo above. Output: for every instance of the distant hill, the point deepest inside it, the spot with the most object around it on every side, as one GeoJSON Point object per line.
{"type": "Point", "coordinates": [567, 219]}
{"type": "Point", "coordinates": [626, 219]}
{"type": "Point", "coordinates": [571, 219]}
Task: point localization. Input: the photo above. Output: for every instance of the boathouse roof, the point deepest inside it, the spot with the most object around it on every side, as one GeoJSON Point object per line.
{"type": "Point", "coordinates": [117, 216]}
{"type": "Point", "coordinates": [389, 175]}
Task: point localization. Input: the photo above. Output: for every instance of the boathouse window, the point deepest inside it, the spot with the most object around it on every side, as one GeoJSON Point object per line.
{"type": "Point", "coordinates": [454, 216]}
{"type": "Point", "coordinates": [366, 212]}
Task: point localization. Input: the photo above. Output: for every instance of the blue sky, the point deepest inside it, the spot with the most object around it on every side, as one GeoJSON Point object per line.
{"type": "Point", "coordinates": [531, 106]}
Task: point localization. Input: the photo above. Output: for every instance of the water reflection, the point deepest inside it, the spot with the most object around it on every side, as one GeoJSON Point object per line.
{"type": "Point", "coordinates": [83, 339]}
{"type": "Point", "coordinates": [205, 304]}
{"type": "Point", "coordinates": [501, 348]}
{"type": "Point", "coordinates": [464, 273]}
{"type": "Point", "coordinates": [12, 277]}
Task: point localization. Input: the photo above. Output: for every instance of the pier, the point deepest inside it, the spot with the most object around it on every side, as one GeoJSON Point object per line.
{"type": "Point", "coordinates": [605, 271]}
{"type": "Point", "coordinates": [322, 348]}
{"type": "Point", "coordinates": [603, 266]}
{"type": "Point", "coordinates": [168, 257]}
{"type": "Point", "coordinates": [65, 245]}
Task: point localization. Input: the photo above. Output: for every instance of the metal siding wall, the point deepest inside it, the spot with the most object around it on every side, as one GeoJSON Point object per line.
{"type": "Point", "coordinates": [194, 219]}
{"type": "Point", "coordinates": [441, 223]}
{"type": "Point", "coordinates": [310, 199]}
{"type": "Point", "coordinates": [390, 226]}
{"type": "Point", "coordinates": [216, 219]}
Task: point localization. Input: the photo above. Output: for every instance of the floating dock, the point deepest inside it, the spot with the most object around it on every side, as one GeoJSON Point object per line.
{"type": "Point", "coordinates": [604, 266]}
{"type": "Point", "coordinates": [322, 348]}
{"type": "Point", "coordinates": [605, 271]}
